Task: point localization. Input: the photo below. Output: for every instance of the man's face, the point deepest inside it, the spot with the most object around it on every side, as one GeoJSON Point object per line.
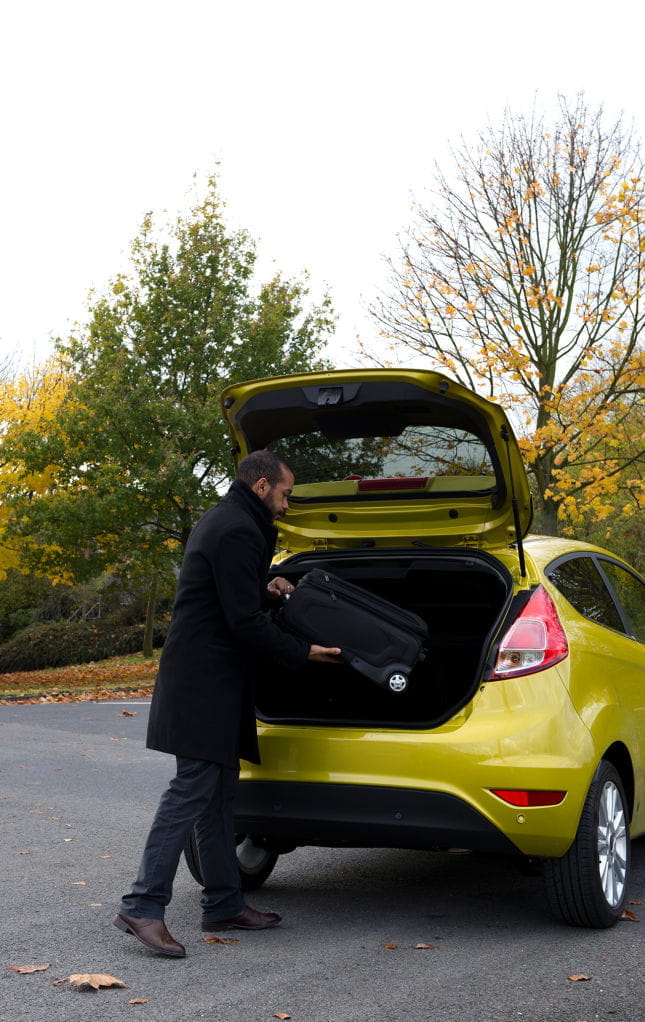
{"type": "Point", "coordinates": [277, 497]}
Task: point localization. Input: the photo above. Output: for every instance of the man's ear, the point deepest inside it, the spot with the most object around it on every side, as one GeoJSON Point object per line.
{"type": "Point", "coordinates": [261, 486]}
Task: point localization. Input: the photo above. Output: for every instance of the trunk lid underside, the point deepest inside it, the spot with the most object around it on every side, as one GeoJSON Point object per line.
{"type": "Point", "coordinates": [385, 456]}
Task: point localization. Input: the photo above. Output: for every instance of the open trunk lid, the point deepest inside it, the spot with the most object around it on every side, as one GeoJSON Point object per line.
{"type": "Point", "coordinates": [392, 456]}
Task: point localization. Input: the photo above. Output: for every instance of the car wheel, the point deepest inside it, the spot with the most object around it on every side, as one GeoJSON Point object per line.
{"type": "Point", "coordinates": [588, 885]}
{"type": "Point", "coordinates": [397, 682]}
{"type": "Point", "coordinates": [255, 863]}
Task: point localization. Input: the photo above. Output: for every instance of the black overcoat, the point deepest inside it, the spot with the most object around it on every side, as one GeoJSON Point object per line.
{"type": "Point", "coordinates": [203, 703]}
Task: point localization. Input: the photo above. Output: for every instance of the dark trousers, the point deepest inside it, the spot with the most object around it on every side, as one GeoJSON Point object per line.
{"type": "Point", "coordinates": [200, 796]}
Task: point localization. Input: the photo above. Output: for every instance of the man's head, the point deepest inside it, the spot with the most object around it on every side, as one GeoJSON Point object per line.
{"type": "Point", "coordinates": [270, 478]}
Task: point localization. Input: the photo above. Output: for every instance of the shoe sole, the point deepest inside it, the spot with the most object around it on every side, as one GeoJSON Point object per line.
{"type": "Point", "coordinates": [216, 928]}
{"type": "Point", "coordinates": [120, 925]}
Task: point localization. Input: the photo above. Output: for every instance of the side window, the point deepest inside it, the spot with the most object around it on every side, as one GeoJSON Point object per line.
{"type": "Point", "coordinates": [631, 594]}
{"type": "Point", "coordinates": [580, 582]}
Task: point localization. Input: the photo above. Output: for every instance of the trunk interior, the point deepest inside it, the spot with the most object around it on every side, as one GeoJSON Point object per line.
{"type": "Point", "coordinates": [462, 596]}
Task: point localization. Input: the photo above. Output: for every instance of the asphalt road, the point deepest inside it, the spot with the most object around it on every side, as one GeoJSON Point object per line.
{"type": "Point", "coordinates": [77, 794]}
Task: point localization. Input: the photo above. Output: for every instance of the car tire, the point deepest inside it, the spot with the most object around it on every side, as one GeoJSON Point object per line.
{"type": "Point", "coordinates": [588, 885]}
{"type": "Point", "coordinates": [255, 863]}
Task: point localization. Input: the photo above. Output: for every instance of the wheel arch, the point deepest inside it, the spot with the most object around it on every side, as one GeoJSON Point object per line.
{"type": "Point", "coordinates": [618, 755]}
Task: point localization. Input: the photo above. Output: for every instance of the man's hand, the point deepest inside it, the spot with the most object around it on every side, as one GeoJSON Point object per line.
{"type": "Point", "coordinates": [278, 587]}
{"type": "Point", "coordinates": [325, 655]}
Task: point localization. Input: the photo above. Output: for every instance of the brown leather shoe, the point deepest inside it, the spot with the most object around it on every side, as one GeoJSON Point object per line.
{"type": "Point", "coordinates": [152, 933]}
{"type": "Point", "coordinates": [248, 919]}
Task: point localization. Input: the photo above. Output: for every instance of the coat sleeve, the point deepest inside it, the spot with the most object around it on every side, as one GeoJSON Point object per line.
{"type": "Point", "coordinates": [237, 564]}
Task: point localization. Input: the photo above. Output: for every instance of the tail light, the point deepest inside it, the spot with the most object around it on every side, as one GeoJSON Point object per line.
{"type": "Point", "coordinates": [529, 798]}
{"type": "Point", "coordinates": [535, 641]}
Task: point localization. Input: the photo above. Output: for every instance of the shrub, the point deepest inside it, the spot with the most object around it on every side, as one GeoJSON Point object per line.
{"type": "Point", "coordinates": [20, 596]}
{"type": "Point", "coordinates": [60, 643]}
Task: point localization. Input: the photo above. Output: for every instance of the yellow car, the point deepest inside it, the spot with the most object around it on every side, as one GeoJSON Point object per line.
{"type": "Point", "coordinates": [523, 730]}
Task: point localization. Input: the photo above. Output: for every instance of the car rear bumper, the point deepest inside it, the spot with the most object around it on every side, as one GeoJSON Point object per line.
{"type": "Point", "coordinates": [349, 815]}
{"type": "Point", "coordinates": [522, 734]}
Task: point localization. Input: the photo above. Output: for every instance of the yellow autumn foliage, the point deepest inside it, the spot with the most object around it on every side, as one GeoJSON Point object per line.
{"type": "Point", "coordinates": [29, 403]}
{"type": "Point", "coordinates": [529, 290]}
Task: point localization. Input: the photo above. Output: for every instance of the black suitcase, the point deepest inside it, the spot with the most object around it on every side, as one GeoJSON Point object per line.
{"type": "Point", "coordinates": [376, 637]}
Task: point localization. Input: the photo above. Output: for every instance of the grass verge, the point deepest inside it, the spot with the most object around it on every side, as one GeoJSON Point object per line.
{"type": "Point", "coordinates": [131, 675]}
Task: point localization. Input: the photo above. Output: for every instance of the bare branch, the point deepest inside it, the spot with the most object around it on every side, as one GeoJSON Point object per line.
{"type": "Point", "coordinates": [523, 277]}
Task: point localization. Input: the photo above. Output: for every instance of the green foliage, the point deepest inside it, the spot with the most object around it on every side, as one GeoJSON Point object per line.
{"type": "Point", "coordinates": [139, 443]}
{"type": "Point", "coordinates": [21, 596]}
{"type": "Point", "coordinates": [314, 457]}
{"type": "Point", "coordinates": [57, 644]}
{"type": "Point", "coordinates": [623, 534]}
{"type": "Point", "coordinates": [32, 600]}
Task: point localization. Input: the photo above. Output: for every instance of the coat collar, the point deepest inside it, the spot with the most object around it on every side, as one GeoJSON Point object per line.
{"type": "Point", "coordinates": [240, 493]}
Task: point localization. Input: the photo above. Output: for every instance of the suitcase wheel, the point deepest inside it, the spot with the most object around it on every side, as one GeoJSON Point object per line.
{"type": "Point", "coordinates": [397, 682]}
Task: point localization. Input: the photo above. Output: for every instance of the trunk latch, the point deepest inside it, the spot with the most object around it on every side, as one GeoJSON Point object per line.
{"type": "Point", "coordinates": [471, 541]}
{"type": "Point", "coordinates": [330, 396]}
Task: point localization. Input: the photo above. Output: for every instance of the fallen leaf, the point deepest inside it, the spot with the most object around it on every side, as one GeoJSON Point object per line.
{"type": "Point", "coordinates": [139, 1000]}
{"type": "Point", "coordinates": [635, 903]}
{"type": "Point", "coordinates": [281, 1014]}
{"type": "Point", "coordinates": [89, 981]}
{"type": "Point", "coordinates": [212, 939]}
{"type": "Point", "coordinates": [579, 977]}
{"type": "Point", "coordinates": [390, 947]}
{"type": "Point", "coordinates": [629, 915]}
{"type": "Point", "coordinates": [24, 853]}
{"type": "Point", "coordinates": [425, 947]}
{"type": "Point", "coordinates": [127, 713]}
{"type": "Point", "coordinates": [27, 968]}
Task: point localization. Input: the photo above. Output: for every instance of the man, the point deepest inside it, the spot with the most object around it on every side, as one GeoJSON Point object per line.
{"type": "Point", "coordinates": [202, 707]}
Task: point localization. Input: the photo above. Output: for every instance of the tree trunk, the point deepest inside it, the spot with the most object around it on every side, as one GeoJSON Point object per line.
{"type": "Point", "coordinates": [148, 633]}
{"type": "Point", "coordinates": [543, 474]}
{"type": "Point", "coordinates": [550, 517]}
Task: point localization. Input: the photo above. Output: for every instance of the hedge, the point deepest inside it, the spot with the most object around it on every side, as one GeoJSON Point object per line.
{"type": "Point", "coordinates": [60, 643]}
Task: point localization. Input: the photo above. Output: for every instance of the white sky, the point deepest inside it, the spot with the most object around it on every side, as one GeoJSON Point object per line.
{"type": "Point", "coordinates": [326, 117]}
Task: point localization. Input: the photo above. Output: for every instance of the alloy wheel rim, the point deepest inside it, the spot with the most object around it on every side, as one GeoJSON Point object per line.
{"type": "Point", "coordinates": [612, 844]}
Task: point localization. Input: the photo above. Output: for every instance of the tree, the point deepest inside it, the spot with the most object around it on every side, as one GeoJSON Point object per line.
{"type": "Point", "coordinates": [139, 442]}
{"type": "Point", "coordinates": [524, 280]}
{"type": "Point", "coordinates": [616, 513]}
{"type": "Point", "coordinates": [7, 362]}
{"type": "Point", "coordinates": [29, 404]}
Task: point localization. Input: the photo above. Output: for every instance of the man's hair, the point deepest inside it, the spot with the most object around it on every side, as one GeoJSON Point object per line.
{"type": "Point", "coordinates": [262, 465]}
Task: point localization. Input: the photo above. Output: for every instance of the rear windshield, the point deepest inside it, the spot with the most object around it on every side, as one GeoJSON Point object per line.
{"type": "Point", "coordinates": [417, 452]}
{"type": "Point", "coordinates": [378, 432]}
